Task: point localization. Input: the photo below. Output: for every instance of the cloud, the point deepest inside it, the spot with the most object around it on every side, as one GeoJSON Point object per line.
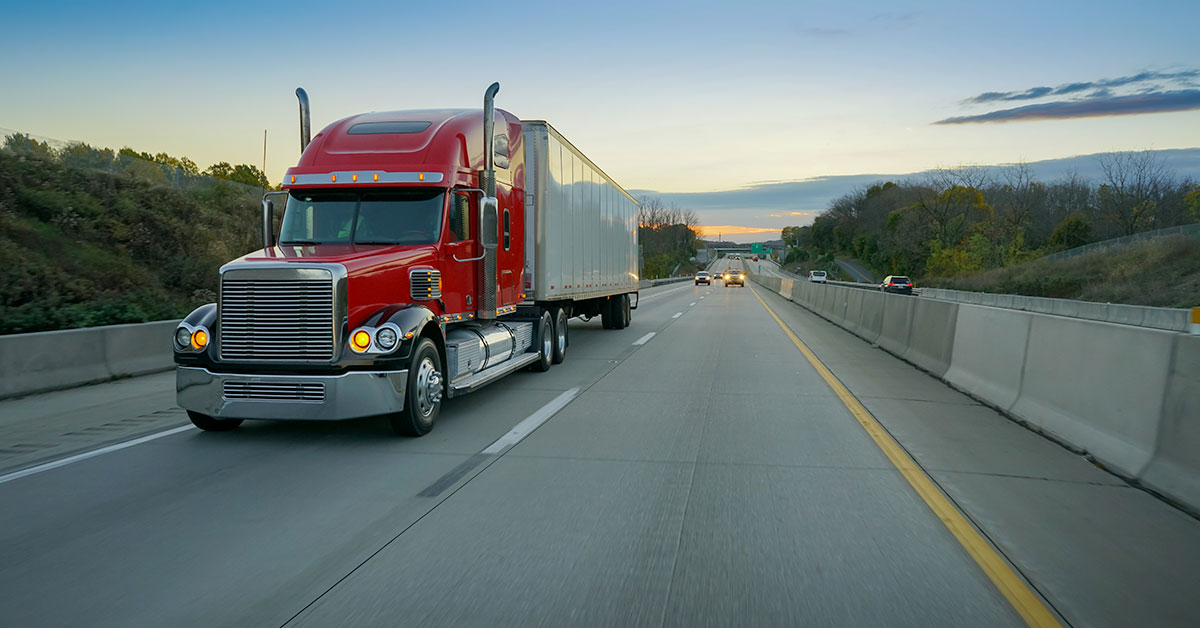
{"type": "Point", "coordinates": [1150, 102]}
{"type": "Point", "coordinates": [1184, 78]}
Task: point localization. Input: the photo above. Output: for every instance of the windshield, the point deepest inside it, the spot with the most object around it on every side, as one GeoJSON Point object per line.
{"type": "Point", "coordinates": [398, 216]}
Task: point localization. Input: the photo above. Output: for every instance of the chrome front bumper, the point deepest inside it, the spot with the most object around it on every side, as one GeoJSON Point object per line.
{"type": "Point", "coordinates": [290, 397]}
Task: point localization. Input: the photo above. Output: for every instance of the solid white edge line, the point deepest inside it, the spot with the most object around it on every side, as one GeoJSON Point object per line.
{"type": "Point", "coordinates": [691, 304]}
{"type": "Point", "coordinates": [644, 339]}
{"type": "Point", "coordinates": [531, 423]}
{"type": "Point", "coordinates": [16, 475]}
{"type": "Point", "coordinates": [677, 315]}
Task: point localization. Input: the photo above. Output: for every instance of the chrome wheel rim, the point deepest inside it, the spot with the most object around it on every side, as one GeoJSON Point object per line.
{"type": "Point", "coordinates": [547, 346]}
{"type": "Point", "coordinates": [429, 387]}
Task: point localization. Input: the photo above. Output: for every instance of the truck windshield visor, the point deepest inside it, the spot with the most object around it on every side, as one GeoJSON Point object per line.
{"type": "Point", "coordinates": [412, 216]}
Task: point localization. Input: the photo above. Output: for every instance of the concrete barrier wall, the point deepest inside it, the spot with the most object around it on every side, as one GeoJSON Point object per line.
{"type": "Point", "coordinates": [1170, 319]}
{"type": "Point", "coordinates": [32, 363]}
{"type": "Point", "coordinates": [1175, 470]}
{"type": "Point", "coordinates": [871, 322]}
{"type": "Point", "coordinates": [1098, 386]}
{"type": "Point", "coordinates": [897, 320]}
{"type": "Point", "coordinates": [1129, 396]}
{"type": "Point", "coordinates": [931, 337]}
{"type": "Point", "coordinates": [785, 288]}
{"type": "Point", "coordinates": [989, 353]}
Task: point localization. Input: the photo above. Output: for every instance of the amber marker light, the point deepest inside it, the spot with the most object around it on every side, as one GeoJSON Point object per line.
{"type": "Point", "coordinates": [333, 178]}
{"type": "Point", "coordinates": [293, 178]}
{"type": "Point", "coordinates": [421, 176]}
{"type": "Point", "coordinates": [354, 178]}
{"type": "Point", "coordinates": [376, 176]}
{"type": "Point", "coordinates": [199, 339]}
{"type": "Point", "coordinates": [360, 341]}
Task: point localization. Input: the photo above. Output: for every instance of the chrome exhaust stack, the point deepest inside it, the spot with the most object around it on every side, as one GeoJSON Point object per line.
{"type": "Point", "coordinates": [489, 219]}
{"type": "Point", "coordinates": [305, 119]}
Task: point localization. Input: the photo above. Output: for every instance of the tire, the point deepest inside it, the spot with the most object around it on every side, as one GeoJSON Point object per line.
{"type": "Point", "coordinates": [620, 311]}
{"type": "Point", "coordinates": [545, 344]}
{"type": "Point", "coordinates": [213, 424]}
{"type": "Point", "coordinates": [562, 336]}
{"type": "Point", "coordinates": [626, 311]}
{"type": "Point", "coordinates": [423, 395]}
{"type": "Point", "coordinates": [606, 314]}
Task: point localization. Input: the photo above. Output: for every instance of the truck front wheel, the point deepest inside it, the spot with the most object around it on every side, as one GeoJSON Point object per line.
{"type": "Point", "coordinates": [423, 398]}
{"type": "Point", "coordinates": [212, 424]}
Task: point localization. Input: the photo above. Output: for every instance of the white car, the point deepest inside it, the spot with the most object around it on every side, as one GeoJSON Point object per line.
{"type": "Point", "coordinates": [817, 276]}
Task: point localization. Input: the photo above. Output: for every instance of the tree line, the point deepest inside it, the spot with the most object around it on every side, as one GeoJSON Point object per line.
{"type": "Point", "coordinates": [668, 235]}
{"type": "Point", "coordinates": [98, 237]}
{"type": "Point", "coordinates": [159, 168]}
{"type": "Point", "coordinates": [954, 221]}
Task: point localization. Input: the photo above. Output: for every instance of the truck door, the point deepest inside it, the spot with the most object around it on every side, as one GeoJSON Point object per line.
{"type": "Point", "coordinates": [459, 277]}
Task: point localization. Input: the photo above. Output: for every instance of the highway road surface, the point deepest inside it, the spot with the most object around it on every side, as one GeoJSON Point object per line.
{"type": "Point", "coordinates": [694, 469]}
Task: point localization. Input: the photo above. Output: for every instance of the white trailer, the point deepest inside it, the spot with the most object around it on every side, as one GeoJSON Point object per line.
{"type": "Point", "coordinates": [581, 227]}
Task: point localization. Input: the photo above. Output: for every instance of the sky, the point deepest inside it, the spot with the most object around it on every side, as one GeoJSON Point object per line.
{"type": "Point", "coordinates": [703, 102]}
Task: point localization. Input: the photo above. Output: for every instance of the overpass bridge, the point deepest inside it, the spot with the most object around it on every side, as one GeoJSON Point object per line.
{"type": "Point", "coordinates": [728, 459]}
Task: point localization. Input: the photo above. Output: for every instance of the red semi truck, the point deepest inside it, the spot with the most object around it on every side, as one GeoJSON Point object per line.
{"type": "Point", "coordinates": [421, 255]}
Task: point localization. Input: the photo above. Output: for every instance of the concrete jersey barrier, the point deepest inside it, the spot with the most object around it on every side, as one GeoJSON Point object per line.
{"type": "Point", "coordinates": [1175, 469]}
{"type": "Point", "coordinates": [1098, 386]}
{"type": "Point", "coordinates": [53, 360]}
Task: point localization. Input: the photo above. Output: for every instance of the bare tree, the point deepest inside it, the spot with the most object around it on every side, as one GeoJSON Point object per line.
{"type": "Point", "coordinates": [1133, 187]}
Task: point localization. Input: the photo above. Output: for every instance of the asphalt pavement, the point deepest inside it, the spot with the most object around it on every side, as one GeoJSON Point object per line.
{"type": "Point", "coordinates": [690, 470]}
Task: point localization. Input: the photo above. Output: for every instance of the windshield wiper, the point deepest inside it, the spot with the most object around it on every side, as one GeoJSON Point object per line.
{"type": "Point", "coordinates": [376, 242]}
{"type": "Point", "coordinates": [300, 243]}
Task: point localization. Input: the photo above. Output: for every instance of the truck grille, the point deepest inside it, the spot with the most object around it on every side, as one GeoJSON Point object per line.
{"type": "Point", "coordinates": [274, 391]}
{"type": "Point", "coordinates": [425, 284]}
{"type": "Point", "coordinates": [277, 319]}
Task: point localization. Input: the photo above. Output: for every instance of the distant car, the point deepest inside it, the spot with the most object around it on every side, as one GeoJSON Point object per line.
{"type": "Point", "coordinates": [702, 277]}
{"type": "Point", "coordinates": [737, 257]}
{"type": "Point", "coordinates": [897, 284]}
{"type": "Point", "coordinates": [756, 258]}
{"type": "Point", "coordinates": [817, 276]}
{"type": "Point", "coordinates": [733, 277]}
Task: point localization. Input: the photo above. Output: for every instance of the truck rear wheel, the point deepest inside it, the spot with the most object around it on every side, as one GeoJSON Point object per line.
{"type": "Point", "coordinates": [423, 397]}
{"type": "Point", "coordinates": [545, 343]}
{"type": "Point", "coordinates": [607, 317]}
{"type": "Point", "coordinates": [617, 311]}
{"type": "Point", "coordinates": [560, 335]}
{"type": "Point", "coordinates": [213, 424]}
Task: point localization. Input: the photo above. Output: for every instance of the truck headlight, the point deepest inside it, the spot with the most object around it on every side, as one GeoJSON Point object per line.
{"type": "Point", "coordinates": [183, 338]}
{"type": "Point", "coordinates": [386, 338]}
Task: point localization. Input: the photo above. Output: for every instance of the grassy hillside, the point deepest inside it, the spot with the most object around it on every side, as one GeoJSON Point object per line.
{"type": "Point", "coordinates": [1163, 273]}
{"type": "Point", "coordinates": [80, 247]}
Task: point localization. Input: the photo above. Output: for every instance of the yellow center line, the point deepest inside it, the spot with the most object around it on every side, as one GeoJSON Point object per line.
{"type": "Point", "coordinates": [1013, 587]}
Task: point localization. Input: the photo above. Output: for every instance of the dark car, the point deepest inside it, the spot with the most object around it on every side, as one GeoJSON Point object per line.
{"type": "Point", "coordinates": [703, 277]}
{"type": "Point", "coordinates": [735, 277]}
{"type": "Point", "coordinates": [897, 284]}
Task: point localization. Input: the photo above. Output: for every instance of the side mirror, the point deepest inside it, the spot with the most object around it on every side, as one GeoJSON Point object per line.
{"type": "Point", "coordinates": [489, 222]}
{"type": "Point", "coordinates": [268, 223]}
